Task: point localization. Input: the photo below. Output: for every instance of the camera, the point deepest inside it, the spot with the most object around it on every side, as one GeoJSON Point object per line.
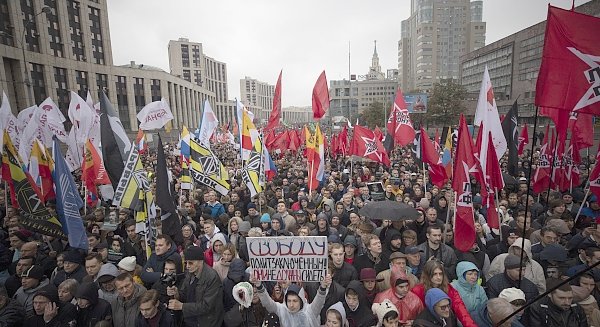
{"type": "Point", "coordinates": [169, 279]}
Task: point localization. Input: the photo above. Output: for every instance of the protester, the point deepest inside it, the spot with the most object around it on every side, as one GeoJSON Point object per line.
{"type": "Point", "coordinates": [439, 310]}
{"type": "Point", "coordinates": [90, 308]}
{"type": "Point", "coordinates": [153, 312]}
{"type": "Point", "coordinates": [125, 307]}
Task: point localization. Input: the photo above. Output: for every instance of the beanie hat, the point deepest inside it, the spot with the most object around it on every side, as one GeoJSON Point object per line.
{"type": "Point", "coordinates": [49, 291]}
{"type": "Point", "coordinates": [75, 257]}
{"type": "Point", "coordinates": [381, 309]}
{"type": "Point", "coordinates": [127, 263]}
{"type": "Point", "coordinates": [265, 218]}
{"type": "Point", "coordinates": [193, 253]}
{"type": "Point", "coordinates": [511, 262]}
{"type": "Point", "coordinates": [35, 272]}
{"type": "Point", "coordinates": [108, 272]}
{"type": "Point", "coordinates": [251, 206]}
{"type": "Point", "coordinates": [244, 226]}
{"type": "Point", "coordinates": [23, 235]}
{"type": "Point", "coordinates": [88, 291]}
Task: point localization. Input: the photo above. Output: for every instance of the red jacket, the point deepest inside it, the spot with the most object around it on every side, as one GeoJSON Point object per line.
{"type": "Point", "coordinates": [458, 306]}
{"type": "Point", "coordinates": [408, 307]}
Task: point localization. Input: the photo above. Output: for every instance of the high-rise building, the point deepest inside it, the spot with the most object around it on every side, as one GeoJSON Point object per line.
{"type": "Point", "coordinates": [258, 97]}
{"type": "Point", "coordinates": [434, 37]}
{"type": "Point", "coordinates": [49, 47]}
{"type": "Point", "coordinates": [351, 97]}
{"type": "Point", "coordinates": [513, 63]}
{"type": "Point", "coordinates": [188, 61]}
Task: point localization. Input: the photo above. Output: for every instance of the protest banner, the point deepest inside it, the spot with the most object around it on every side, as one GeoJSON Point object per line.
{"type": "Point", "coordinates": [376, 191]}
{"type": "Point", "coordinates": [288, 258]}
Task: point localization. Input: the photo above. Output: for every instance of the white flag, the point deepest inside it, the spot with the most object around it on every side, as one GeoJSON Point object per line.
{"type": "Point", "coordinates": [24, 117]}
{"type": "Point", "coordinates": [81, 116]}
{"type": "Point", "coordinates": [154, 115]}
{"type": "Point", "coordinates": [51, 121]}
{"type": "Point", "coordinates": [209, 125]}
{"type": "Point", "coordinates": [487, 112]}
{"type": "Point", "coordinates": [8, 121]}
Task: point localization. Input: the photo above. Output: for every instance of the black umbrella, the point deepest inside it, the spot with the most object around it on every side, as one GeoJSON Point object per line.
{"type": "Point", "coordinates": [392, 210]}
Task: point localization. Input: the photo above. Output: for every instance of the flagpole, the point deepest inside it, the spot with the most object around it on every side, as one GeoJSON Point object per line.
{"type": "Point", "coordinates": [261, 171]}
{"type": "Point", "coordinates": [85, 200]}
{"type": "Point", "coordinates": [587, 193]}
{"type": "Point", "coordinates": [499, 218]}
{"type": "Point", "coordinates": [448, 217]}
{"type": "Point", "coordinates": [6, 190]}
{"type": "Point", "coordinates": [552, 167]}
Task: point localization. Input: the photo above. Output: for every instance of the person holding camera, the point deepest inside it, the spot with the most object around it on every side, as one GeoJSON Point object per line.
{"type": "Point", "coordinates": [171, 276]}
{"type": "Point", "coordinates": [200, 298]}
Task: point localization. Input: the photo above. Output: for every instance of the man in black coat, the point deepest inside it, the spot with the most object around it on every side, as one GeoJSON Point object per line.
{"type": "Point", "coordinates": [510, 278]}
{"type": "Point", "coordinates": [343, 272]}
{"type": "Point", "coordinates": [90, 308]}
{"type": "Point", "coordinates": [49, 312]}
{"type": "Point", "coordinates": [557, 309]}
{"type": "Point", "coordinates": [11, 312]}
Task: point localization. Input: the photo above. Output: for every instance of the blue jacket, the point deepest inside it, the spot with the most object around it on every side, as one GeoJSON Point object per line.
{"type": "Point", "coordinates": [157, 263]}
{"type": "Point", "coordinates": [215, 210]}
{"type": "Point", "coordinates": [482, 318]}
{"type": "Point", "coordinates": [472, 295]}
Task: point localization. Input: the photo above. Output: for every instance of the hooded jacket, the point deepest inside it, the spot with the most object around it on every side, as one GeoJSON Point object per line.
{"type": "Point", "coordinates": [210, 257]}
{"type": "Point", "coordinates": [12, 314]}
{"type": "Point", "coordinates": [108, 269]}
{"type": "Point", "coordinates": [362, 315]}
{"type": "Point", "coordinates": [472, 295]}
{"type": "Point", "coordinates": [98, 309]}
{"type": "Point", "coordinates": [533, 270]}
{"type": "Point", "coordinates": [339, 307]}
{"type": "Point", "coordinates": [429, 317]}
{"type": "Point", "coordinates": [307, 316]}
{"type": "Point", "coordinates": [66, 311]}
{"type": "Point", "coordinates": [157, 263]}
{"type": "Point", "coordinates": [409, 306]}
{"type": "Point", "coordinates": [125, 312]}
{"type": "Point", "coordinates": [456, 302]}
{"type": "Point", "coordinates": [25, 296]}
{"type": "Point", "coordinates": [76, 274]}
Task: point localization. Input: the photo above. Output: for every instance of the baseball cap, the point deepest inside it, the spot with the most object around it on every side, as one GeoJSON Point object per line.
{"type": "Point", "coordinates": [412, 250]}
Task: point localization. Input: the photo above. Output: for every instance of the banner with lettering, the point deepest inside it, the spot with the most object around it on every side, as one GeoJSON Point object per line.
{"type": "Point", "coordinates": [155, 115]}
{"type": "Point", "coordinates": [288, 258]}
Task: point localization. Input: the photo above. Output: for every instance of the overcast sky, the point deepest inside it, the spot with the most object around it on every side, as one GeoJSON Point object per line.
{"type": "Point", "coordinates": [257, 38]}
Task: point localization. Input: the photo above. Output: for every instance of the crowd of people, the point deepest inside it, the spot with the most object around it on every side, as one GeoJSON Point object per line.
{"type": "Point", "coordinates": [382, 271]}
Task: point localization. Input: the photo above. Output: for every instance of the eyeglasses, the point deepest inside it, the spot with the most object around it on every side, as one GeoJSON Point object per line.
{"type": "Point", "coordinates": [444, 307]}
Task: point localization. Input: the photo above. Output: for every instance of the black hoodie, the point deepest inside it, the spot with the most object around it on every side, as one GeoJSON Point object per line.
{"type": "Point", "coordinates": [362, 316]}
{"type": "Point", "coordinates": [98, 309]}
{"type": "Point", "coordinates": [67, 313]}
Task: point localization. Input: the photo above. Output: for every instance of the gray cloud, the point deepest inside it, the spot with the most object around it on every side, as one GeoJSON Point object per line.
{"type": "Point", "coordinates": [258, 38]}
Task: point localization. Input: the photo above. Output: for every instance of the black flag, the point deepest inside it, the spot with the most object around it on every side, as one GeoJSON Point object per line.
{"type": "Point", "coordinates": [111, 154]}
{"type": "Point", "coordinates": [170, 220]}
{"type": "Point", "coordinates": [509, 127]}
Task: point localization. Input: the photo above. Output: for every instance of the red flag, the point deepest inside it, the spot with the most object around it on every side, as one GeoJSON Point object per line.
{"type": "Point", "coordinates": [541, 177]}
{"type": "Point", "coordinates": [378, 133]}
{"type": "Point", "coordinates": [365, 144]}
{"type": "Point", "coordinates": [595, 176]}
{"type": "Point", "coordinates": [343, 141]}
{"type": "Point", "coordinates": [399, 124]}
{"type": "Point", "coordinates": [466, 163]}
{"type": "Point", "coordinates": [92, 171]}
{"type": "Point", "coordinates": [582, 130]}
{"type": "Point", "coordinates": [437, 172]}
{"type": "Point", "coordinates": [270, 140]}
{"type": "Point", "coordinates": [493, 172]}
{"type": "Point", "coordinates": [320, 97]}
{"type": "Point", "coordinates": [569, 76]}
{"type": "Point", "coordinates": [276, 112]}
{"type": "Point", "coordinates": [478, 142]}
{"type": "Point", "coordinates": [523, 139]}
{"type": "Point", "coordinates": [294, 140]}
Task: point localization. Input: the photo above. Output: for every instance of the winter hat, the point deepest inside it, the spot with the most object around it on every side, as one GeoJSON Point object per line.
{"type": "Point", "coordinates": [75, 257]}
{"type": "Point", "coordinates": [271, 320]}
{"type": "Point", "coordinates": [381, 309]}
{"type": "Point", "coordinates": [244, 226]}
{"type": "Point", "coordinates": [251, 206]}
{"type": "Point", "coordinates": [108, 272]}
{"type": "Point", "coordinates": [35, 272]}
{"type": "Point", "coordinates": [127, 263]}
{"type": "Point", "coordinates": [23, 235]}
{"type": "Point", "coordinates": [193, 253]}
{"type": "Point", "coordinates": [88, 291]}
{"type": "Point", "coordinates": [265, 218]}
{"type": "Point", "coordinates": [559, 225]}
{"type": "Point", "coordinates": [350, 240]}
{"type": "Point", "coordinates": [433, 296]}
{"type": "Point", "coordinates": [334, 238]}
{"type": "Point", "coordinates": [49, 291]}
{"type": "Point", "coordinates": [512, 261]}
{"type": "Point", "coordinates": [424, 203]}
{"type": "Point", "coordinates": [322, 216]}
{"type": "Point", "coordinates": [243, 293]}
{"type": "Point", "coordinates": [369, 275]}
{"type": "Point", "coordinates": [294, 289]}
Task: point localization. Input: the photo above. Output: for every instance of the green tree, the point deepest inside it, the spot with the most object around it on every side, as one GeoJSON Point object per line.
{"type": "Point", "coordinates": [373, 115]}
{"type": "Point", "coordinates": [446, 102]}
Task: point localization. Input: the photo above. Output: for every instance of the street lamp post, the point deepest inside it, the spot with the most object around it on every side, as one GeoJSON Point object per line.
{"type": "Point", "coordinates": [21, 43]}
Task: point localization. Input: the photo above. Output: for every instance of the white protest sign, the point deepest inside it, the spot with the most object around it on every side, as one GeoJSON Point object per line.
{"type": "Point", "coordinates": [288, 258]}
